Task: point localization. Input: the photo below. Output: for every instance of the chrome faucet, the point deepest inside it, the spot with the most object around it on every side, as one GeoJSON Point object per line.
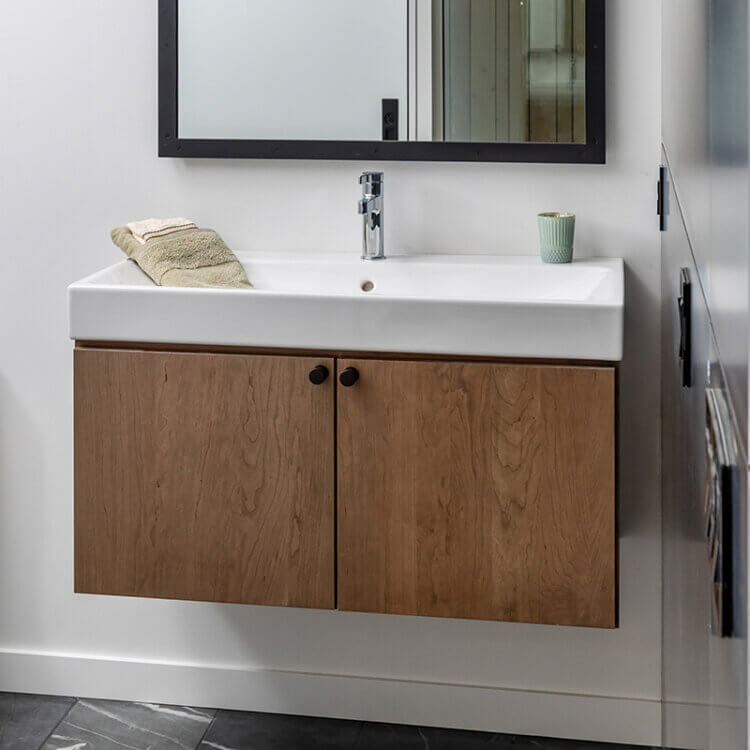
{"type": "Point", "coordinates": [371, 208]}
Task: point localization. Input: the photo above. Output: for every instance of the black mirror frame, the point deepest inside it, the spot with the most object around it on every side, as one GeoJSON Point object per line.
{"type": "Point", "coordinates": [592, 152]}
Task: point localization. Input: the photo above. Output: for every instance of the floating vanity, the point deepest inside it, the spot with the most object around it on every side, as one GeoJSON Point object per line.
{"type": "Point", "coordinates": [426, 435]}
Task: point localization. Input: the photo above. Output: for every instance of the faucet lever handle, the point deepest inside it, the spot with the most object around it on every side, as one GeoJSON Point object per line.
{"type": "Point", "coordinates": [372, 183]}
{"type": "Point", "coordinates": [371, 177]}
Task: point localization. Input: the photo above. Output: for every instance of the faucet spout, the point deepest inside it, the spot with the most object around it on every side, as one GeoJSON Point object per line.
{"type": "Point", "coordinates": [370, 207]}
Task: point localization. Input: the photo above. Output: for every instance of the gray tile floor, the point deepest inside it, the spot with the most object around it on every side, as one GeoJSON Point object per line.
{"type": "Point", "coordinates": [33, 722]}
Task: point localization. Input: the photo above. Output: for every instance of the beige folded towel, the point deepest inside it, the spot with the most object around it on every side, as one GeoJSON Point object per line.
{"type": "Point", "coordinates": [147, 229]}
{"type": "Point", "coordinates": [188, 257]}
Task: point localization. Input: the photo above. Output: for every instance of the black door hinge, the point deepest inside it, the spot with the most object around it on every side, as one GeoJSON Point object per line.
{"type": "Point", "coordinates": [661, 208]}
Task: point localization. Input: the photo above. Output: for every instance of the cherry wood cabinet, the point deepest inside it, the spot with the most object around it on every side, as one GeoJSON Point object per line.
{"type": "Point", "coordinates": [379, 484]}
{"type": "Point", "coordinates": [478, 491]}
{"type": "Point", "coordinates": [205, 477]}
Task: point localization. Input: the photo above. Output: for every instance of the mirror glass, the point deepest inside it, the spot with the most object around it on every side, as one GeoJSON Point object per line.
{"type": "Point", "coordinates": [463, 71]}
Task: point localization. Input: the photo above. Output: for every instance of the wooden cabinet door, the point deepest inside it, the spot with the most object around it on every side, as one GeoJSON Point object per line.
{"type": "Point", "coordinates": [478, 491]}
{"type": "Point", "coordinates": [204, 476]}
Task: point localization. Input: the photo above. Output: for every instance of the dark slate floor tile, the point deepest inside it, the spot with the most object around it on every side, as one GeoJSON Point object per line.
{"type": "Point", "coordinates": [386, 736]}
{"type": "Point", "coordinates": [381, 736]}
{"type": "Point", "coordinates": [376, 736]}
{"type": "Point", "coordinates": [27, 720]}
{"type": "Point", "coordinates": [111, 725]}
{"type": "Point", "coordinates": [522, 742]}
{"type": "Point", "coordinates": [517, 742]}
{"type": "Point", "coordinates": [236, 730]}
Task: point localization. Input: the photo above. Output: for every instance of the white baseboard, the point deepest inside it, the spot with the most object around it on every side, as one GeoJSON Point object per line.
{"type": "Point", "coordinates": [543, 714]}
{"type": "Point", "coordinates": [686, 725]}
{"type": "Point", "coordinates": [696, 726]}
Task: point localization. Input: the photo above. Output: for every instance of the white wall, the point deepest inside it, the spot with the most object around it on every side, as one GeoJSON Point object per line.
{"type": "Point", "coordinates": [78, 141]}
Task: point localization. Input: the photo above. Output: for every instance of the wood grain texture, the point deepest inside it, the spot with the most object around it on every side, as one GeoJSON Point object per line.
{"type": "Point", "coordinates": [204, 477]}
{"type": "Point", "coordinates": [478, 491]}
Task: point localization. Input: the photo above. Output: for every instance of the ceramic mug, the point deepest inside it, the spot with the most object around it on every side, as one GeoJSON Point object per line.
{"type": "Point", "coordinates": [556, 234]}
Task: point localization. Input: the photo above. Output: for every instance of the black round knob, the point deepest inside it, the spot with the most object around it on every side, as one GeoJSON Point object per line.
{"type": "Point", "coordinates": [349, 377]}
{"type": "Point", "coordinates": [319, 375]}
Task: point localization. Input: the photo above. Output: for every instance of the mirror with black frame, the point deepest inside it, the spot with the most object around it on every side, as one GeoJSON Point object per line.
{"type": "Point", "coordinates": [473, 80]}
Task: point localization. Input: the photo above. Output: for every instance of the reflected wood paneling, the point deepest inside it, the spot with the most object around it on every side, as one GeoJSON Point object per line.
{"type": "Point", "coordinates": [564, 73]}
{"type": "Point", "coordinates": [515, 70]}
{"type": "Point", "coordinates": [579, 71]}
{"type": "Point", "coordinates": [518, 70]}
{"type": "Point", "coordinates": [483, 71]}
{"type": "Point", "coordinates": [542, 70]}
{"type": "Point", "coordinates": [502, 72]}
{"type": "Point", "coordinates": [457, 33]}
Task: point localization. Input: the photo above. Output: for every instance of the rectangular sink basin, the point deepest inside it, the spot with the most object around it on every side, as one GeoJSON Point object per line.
{"type": "Point", "coordinates": [496, 306]}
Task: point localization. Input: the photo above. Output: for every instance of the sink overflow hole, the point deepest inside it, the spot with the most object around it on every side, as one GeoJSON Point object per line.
{"type": "Point", "coordinates": [367, 286]}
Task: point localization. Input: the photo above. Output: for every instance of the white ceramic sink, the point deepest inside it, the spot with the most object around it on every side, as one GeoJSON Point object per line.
{"type": "Point", "coordinates": [438, 304]}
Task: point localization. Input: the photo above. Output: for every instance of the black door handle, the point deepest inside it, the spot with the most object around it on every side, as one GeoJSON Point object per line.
{"type": "Point", "coordinates": [349, 377]}
{"type": "Point", "coordinates": [684, 303]}
{"type": "Point", "coordinates": [319, 375]}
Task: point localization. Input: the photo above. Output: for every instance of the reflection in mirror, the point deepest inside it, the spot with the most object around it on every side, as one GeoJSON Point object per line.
{"type": "Point", "coordinates": [461, 71]}
{"type": "Point", "coordinates": [290, 69]}
{"type": "Point", "coordinates": [514, 71]}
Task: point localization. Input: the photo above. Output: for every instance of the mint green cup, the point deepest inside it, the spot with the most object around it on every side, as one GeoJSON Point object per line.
{"type": "Point", "coordinates": [556, 235]}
